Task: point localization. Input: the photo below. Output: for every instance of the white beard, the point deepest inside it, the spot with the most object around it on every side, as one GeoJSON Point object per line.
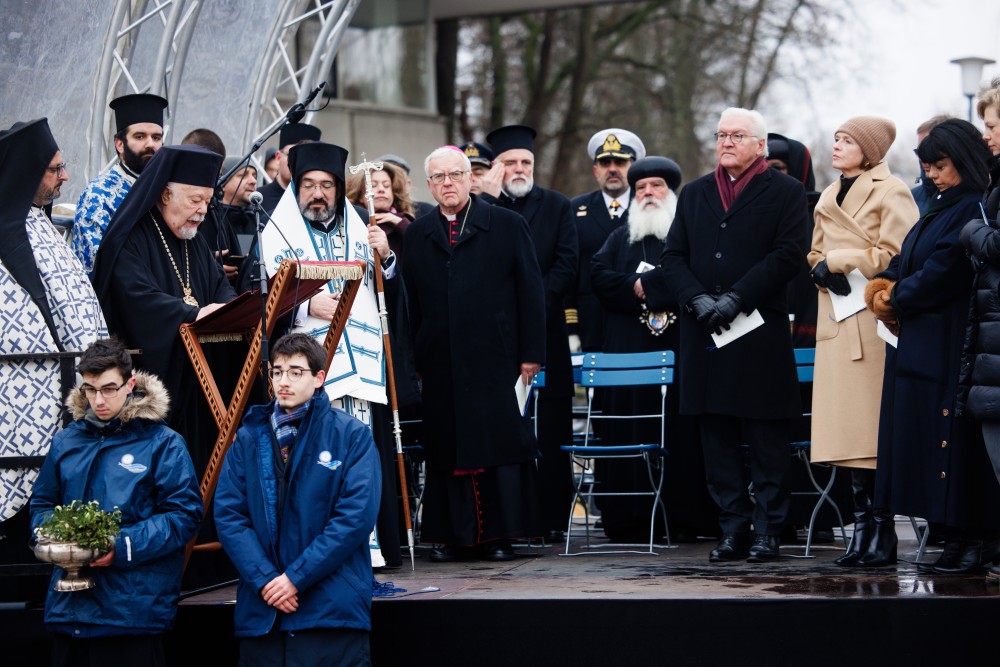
{"type": "Point", "coordinates": [518, 189]}
{"type": "Point", "coordinates": [646, 219]}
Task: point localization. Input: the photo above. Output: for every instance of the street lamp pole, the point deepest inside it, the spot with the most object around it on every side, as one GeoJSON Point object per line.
{"type": "Point", "coordinates": [972, 74]}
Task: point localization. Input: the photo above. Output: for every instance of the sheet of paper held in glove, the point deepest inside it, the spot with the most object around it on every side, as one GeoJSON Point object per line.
{"type": "Point", "coordinates": [742, 325]}
{"type": "Point", "coordinates": [522, 391]}
{"type": "Point", "coordinates": [886, 335]}
{"type": "Point", "coordinates": [845, 306]}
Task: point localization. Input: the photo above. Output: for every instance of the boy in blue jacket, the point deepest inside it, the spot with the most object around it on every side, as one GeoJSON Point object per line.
{"type": "Point", "coordinates": [118, 451]}
{"type": "Point", "coordinates": [297, 496]}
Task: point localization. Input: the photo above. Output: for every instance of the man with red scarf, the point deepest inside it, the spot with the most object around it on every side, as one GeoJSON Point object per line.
{"type": "Point", "coordinates": [734, 245]}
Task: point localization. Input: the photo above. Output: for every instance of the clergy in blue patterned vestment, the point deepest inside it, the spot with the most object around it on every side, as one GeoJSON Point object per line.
{"type": "Point", "coordinates": [48, 311]}
{"type": "Point", "coordinates": [138, 135]}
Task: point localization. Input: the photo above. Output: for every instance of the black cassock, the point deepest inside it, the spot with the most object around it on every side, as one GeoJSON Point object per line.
{"type": "Point", "coordinates": [145, 300]}
{"type": "Point", "coordinates": [690, 510]}
{"type": "Point", "coordinates": [476, 314]}
{"type": "Point", "coordinates": [553, 234]}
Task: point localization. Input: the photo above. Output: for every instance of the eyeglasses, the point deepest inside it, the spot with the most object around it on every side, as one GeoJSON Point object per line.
{"type": "Point", "coordinates": [294, 373]}
{"type": "Point", "coordinates": [106, 392]}
{"type": "Point", "coordinates": [736, 138]}
{"type": "Point", "coordinates": [56, 169]}
{"type": "Point", "coordinates": [325, 186]}
{"type": "Point", "coordinates": [455, 176]}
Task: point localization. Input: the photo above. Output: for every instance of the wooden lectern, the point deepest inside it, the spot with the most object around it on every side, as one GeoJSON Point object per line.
{"type": "Point", "coordinates": [294, 283]}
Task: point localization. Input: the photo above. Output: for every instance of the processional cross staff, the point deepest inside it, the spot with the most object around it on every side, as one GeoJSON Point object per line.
{"type": "Point", "coordinates": [368, 167]}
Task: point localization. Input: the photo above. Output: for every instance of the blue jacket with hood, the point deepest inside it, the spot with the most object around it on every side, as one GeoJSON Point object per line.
{"type": "Point", "coordinates": [320, 539]}
{"type": "Point", "coordinates": [142, 467]}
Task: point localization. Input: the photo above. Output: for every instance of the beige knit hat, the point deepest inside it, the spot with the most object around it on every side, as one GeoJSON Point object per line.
{"type": "Point", "coordinates": [873, 135]}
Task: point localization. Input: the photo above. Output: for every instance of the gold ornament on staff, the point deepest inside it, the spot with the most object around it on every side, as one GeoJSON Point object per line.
{"type": "Point", "coordinates": [368, 167]}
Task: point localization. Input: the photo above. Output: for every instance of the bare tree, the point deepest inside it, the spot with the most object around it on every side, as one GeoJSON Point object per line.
{"type": "Point", "coordinates": [662, 68]}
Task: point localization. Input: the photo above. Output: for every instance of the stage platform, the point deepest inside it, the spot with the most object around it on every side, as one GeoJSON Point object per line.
{"type": "Point", "coordinates": [675, 608]}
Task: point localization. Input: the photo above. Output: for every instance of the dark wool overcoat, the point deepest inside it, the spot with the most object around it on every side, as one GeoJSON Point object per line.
{"type": "Point", "coordinates": [477, 311]}
{"type": "Point", "coordinates": [593, 227]}
{"type": "Point", "coordinates": [754, 248]}
{"type": "Point", "coordinates": [931, 464]}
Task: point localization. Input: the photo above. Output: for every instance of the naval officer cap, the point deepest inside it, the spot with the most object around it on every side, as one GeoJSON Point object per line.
{"type": "Point", "coordinates": [477, 153]}
{"type": "Point", "coordinates": [138, 108]}
{"type": "Point", "coordinates": [396, 160]}
{"type": "Point", "coordinates": [615, 142]}
{"type": "Point", "coordinates": [652, 166]}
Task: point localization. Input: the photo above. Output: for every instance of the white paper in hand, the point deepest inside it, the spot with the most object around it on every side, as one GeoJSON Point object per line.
{"type": "Point", "coordinates": [886, 335]}
{"type": "Point", "coordinates": [742, 325]}
{"type": "Point", "coordinates": [854, 302]}
{"type": "Point", "coordinates": [522, 391]}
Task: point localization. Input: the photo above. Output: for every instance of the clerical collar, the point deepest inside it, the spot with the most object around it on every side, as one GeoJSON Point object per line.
{"type": "Point", "coordinates": [623, 200]}
{"type": "Point", "coordinates": [128, 172]}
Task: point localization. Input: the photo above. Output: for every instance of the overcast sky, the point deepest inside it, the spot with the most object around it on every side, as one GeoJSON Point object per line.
{"type": "Point", "coordinates": [894, 63]}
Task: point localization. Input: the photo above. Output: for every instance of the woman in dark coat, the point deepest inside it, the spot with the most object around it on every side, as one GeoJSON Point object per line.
{"type": "Point", "coordinates": [931, 464]}
{"type": "Point", "coordinates": [980, 399]}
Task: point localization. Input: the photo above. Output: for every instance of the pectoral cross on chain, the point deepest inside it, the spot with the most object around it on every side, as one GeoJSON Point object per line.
{"type": "Point", "coordinates": [368, 168]}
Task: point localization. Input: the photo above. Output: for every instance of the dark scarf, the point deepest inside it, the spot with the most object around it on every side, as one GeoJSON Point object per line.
{"type": "Point", "coordinates": [106, 427]}
{"type": "Point", "coordinates": [729, 188]}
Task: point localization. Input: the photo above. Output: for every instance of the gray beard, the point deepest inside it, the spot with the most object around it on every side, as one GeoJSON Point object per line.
{"type": "Point", "coordinates": [318, 216]}
{"type": "Point", "coordinates": [643, 222]}
{"type": "Point", "coordinates": [519, 189]}
{"type": "Point", "coordinates": [187, 234]}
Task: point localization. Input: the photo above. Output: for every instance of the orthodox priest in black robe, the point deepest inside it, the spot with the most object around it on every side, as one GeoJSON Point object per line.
{"type": "Point", "coordinates": [554, 236]}
{"type": "Point", "coordinates": [629, 251]}
{"type": "Point", "coordinates": [150, 280]}
{"type": "Point", "coordinates": [477, 316]}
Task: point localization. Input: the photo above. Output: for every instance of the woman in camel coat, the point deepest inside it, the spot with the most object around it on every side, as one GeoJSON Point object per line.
{"type": "Point", "coordinates": [860, 224]}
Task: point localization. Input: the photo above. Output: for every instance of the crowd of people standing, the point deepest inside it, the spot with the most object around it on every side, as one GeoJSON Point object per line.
{"type": "Point", "coordinates": [485, 287]}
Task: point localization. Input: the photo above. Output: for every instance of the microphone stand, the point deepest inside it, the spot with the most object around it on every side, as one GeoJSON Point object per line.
{"type": "Point", "coordinates": [255, 208]}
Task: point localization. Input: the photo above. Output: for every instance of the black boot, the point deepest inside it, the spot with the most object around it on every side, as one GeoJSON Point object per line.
{"type": "Point", "coordinates": [863, 487]}
{"type": "Point", "coordinates": [975, 552]}
{"type": "Point", "coordinates": [882, 550]}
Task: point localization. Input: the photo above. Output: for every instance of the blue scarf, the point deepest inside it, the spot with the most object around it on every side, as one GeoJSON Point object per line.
{"type": "Point", "coordinates": [286, 426]}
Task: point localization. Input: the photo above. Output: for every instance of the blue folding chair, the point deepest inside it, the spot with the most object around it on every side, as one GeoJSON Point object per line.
{"type": "Point", "coordinates": [805, 358]}
{"type": "Point", "coordinates": [620, 370]}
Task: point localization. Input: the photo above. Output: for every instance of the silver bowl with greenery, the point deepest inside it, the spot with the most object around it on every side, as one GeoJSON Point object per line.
{"type": "Point", "coordinates": [74, 535]}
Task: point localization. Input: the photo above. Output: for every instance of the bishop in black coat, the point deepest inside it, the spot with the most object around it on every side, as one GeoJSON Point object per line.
{"type": "Point", "coordinates": [476, 314]}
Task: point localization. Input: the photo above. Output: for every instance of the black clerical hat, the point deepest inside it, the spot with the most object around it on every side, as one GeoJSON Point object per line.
{"type": "Point", "coordinates": [139, 108]}
{"type": "Point", "coordinates": [477, 153]}
{"type": "Point", "coordinates": [655, 165]}
{"type": "Point", "coordinates": [509, 137]}
{"type": "Point", "coordinates": [293, 133]}
{"type": "Point", "coordinates": [317, 156]}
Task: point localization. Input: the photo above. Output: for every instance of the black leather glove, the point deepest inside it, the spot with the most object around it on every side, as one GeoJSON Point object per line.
{"type": "Point", "coordinates": [726, 308]}
{"type": "Point", "coordinates": [835, 282]}
{"type": "Point", "coordinates": [702, 306]}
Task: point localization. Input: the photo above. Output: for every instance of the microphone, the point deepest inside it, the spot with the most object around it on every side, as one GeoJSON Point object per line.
{"type": "Point", "coordinates": [256, 199]}
{"type": "Point", "coordinates": [298, 111]}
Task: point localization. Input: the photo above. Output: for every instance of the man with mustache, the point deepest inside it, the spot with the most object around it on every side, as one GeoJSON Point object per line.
{"type": "Point", "coordinates": [139, 134]}
{"type": "Point", "coordinates": [511, 184]}
{"type": "Point", "coordinates": [154, 272]}
{"type": "Point", "coordinates": [596, 215]}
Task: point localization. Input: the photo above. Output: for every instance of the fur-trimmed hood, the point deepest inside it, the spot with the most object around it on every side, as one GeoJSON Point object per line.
{"type": "Point", "coordinates": [150, 401]}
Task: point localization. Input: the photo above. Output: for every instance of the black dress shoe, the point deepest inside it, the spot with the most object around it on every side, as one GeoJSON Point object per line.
{"type": "Point", "coordinates": [947, 560]}
{"type": "Point", "coordinates": [731, 547]}
{"type": "Point", "coordinates": [498, 551]}
{"type": "Point", "coordinates": [974, 554]}
{"type": "Point", "coordinates": [444, 554]}
{"type": "Point", "coordinates": [764, 548]}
